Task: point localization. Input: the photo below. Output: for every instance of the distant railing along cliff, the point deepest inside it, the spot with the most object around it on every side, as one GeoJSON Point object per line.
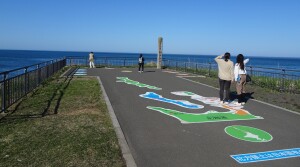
{"type": "Point", "coordinates": [273, 78]}
{"type": "Point", "coordinates": [15, 84]}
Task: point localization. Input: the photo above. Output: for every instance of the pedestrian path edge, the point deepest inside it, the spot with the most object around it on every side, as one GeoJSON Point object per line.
{"type": "Point", "coordinates": [121, 138]}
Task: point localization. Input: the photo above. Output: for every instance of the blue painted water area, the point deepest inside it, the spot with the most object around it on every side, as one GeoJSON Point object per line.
{"type": "Point", "coordinates": [12, 59]}
{"type": "Point", "coordinates": [81, 72]}
{"type": "Point", "coordinates": [181, 103]}
{"type": "Point", "coordinates": [267, 156]}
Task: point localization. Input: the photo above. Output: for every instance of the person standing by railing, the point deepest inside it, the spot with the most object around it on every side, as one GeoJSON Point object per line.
{"type": "Point", "coordinates": [141, 63]}
{"type": "Point", "coordinates": [225, 74]}
{"type": "Point", "coordinates": [240, 77]}
{"type": "Point", "coordinates": [91, 60]}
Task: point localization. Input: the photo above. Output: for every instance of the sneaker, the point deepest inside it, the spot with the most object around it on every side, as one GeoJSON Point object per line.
{"type": "Point", "coordinates": [221, 102]}
{"type": "Point", "coordinates": [238, 104]}
{"type": "Point", "coordinates": [226, 102]}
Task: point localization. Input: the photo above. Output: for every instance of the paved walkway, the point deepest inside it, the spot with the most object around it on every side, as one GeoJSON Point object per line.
{"type": "Point", "coordinates": [170, 121]}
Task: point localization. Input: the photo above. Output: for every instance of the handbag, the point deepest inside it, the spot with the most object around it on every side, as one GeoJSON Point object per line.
{"type": "Point", "coordinates": [238, 79]}
{"type": "Point", "coordinates": [248, 78]}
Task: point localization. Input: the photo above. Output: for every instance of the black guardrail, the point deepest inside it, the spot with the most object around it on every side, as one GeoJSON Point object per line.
{"type": "Point", "coordinates": [15, 84]}
{"type": "Point", "coordinates": [273, 78]}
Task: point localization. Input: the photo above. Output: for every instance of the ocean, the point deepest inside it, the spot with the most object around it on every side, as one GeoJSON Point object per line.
{"type": "Point", "coordinates": [12, 59]}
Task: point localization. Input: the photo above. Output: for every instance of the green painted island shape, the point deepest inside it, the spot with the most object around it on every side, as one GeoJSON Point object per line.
{"type": "Point", "coordinates": [209, 116]}
{"type": "Point", "coordinates": [136, 83]}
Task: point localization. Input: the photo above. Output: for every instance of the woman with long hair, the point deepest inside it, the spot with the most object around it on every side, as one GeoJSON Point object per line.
{"type": "Point", "coordinates": [240, 77]}
{"type": "Point", "coordinates": [225, 73]}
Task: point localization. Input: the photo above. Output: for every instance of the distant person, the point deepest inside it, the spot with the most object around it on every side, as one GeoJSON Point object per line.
{"type": "Point", "coordinates": [225, 73]}
{"type": "Point", "coordinates": [141, 63]}
{"type": "Point", "coordinates": [91, 60]}
{"type": "Point", "coordinates": [240, 77]}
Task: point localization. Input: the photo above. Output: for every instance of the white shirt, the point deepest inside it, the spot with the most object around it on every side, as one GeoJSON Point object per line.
{"type": "Point", "coordinates": [238, 70]}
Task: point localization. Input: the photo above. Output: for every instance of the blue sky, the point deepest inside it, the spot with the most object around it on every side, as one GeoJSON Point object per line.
{"type": "Point", "coordinates": [211, 27]}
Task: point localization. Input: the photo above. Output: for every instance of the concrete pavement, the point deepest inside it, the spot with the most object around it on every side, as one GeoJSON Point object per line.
{"type": "Point", "coordinates": [170, 121]}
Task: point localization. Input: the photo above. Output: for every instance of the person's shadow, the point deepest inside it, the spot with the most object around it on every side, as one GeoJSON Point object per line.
{"type": "Point", "coordinates": [246, 96]}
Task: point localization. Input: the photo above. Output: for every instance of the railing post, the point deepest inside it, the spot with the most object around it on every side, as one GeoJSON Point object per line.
{"type": "Point", "coordinates": [38, 74]}
{"type": "Point", "coordinates": [282, 80]}
{"type": "Point", "coordinates": [52, 64]}
{"type": "Point", "coordinates": [26, 80]}
{"type": "Point", "coordinates": [209, 69]}
{"type": "Point", "coordinates": [251, 74]}
{"type": "Point", "coordinates": [47, 70]}
{"type": "Point", "coordinates": [196, 68]}
{"type": "Point", "coordinates": [64, 62]}
{"type": "Point", "coordinates": [185, 66]}
{"type": "Point", "coordinates": [3, 93]}
{"type": "Point", "coordinates": [124, 63]}
{"type": "Point", "coordinates": [176, 65]}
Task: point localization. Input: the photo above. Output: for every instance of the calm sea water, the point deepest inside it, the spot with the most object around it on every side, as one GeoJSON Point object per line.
{"type": "Point", "coordinates": [12, 59]}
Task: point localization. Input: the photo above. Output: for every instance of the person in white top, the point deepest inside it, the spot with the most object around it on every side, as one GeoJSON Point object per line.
{"type": "Point", "coordinates": [240, 77]}
{"type": "Point", "coordinates": [91, 59]}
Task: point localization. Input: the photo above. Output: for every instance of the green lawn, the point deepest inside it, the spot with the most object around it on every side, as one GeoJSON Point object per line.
{"type": "Point", "coordinates": [63, 123]}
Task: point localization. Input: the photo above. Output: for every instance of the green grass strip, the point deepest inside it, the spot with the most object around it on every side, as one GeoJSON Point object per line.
{"type": "Point", "coordinates": [64, 123]}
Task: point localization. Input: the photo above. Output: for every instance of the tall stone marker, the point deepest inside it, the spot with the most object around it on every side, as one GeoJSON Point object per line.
{"type": "Point", "coordinates": [159, 54]}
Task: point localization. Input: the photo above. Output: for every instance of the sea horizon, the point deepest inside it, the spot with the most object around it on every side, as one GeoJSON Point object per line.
{"type": "Point", "coordinates": [185, 54]}
{"type": "Point", "coordinates": [12, 59]}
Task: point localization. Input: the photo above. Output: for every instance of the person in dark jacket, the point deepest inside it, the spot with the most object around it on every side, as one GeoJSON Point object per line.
{"type": "Point", "coordinates": [141, 63]}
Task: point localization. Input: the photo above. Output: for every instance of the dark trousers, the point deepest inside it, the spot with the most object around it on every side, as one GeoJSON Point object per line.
{"type": "Point", "coordinates": [224, 86]}
{"type": "Point", "coordinates": [141, 65]}
{"type": "Point", "coordinates": [241, 98]}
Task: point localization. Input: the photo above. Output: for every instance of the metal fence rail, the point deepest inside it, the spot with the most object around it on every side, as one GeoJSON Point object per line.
{"type": "Point", "coordinates": [108, 61]}
{"type": "Point", "coordinates": [276, 79]}
{"type": "Point", "coordinates": [273, 78]}
{"type": "Point", "coordinates": [15, 84]}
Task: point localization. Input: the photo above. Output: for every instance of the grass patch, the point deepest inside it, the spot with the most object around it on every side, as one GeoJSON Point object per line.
{"type": "Point", "coordinates": [63, 123]}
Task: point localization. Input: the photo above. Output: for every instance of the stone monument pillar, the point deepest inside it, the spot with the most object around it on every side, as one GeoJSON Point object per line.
{"type": "Point", "coordinates": [159, 54]}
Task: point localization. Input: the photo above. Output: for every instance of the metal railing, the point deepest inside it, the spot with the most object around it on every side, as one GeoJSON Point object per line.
{"type": "Point", "coordinates": [17, 83]}
{"type": "Point", "coordinates": [276, 79]}
{"type": "Point", "coordinates": [273, 78]}
{"type": "Point", "coordinates": [108, 61]}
